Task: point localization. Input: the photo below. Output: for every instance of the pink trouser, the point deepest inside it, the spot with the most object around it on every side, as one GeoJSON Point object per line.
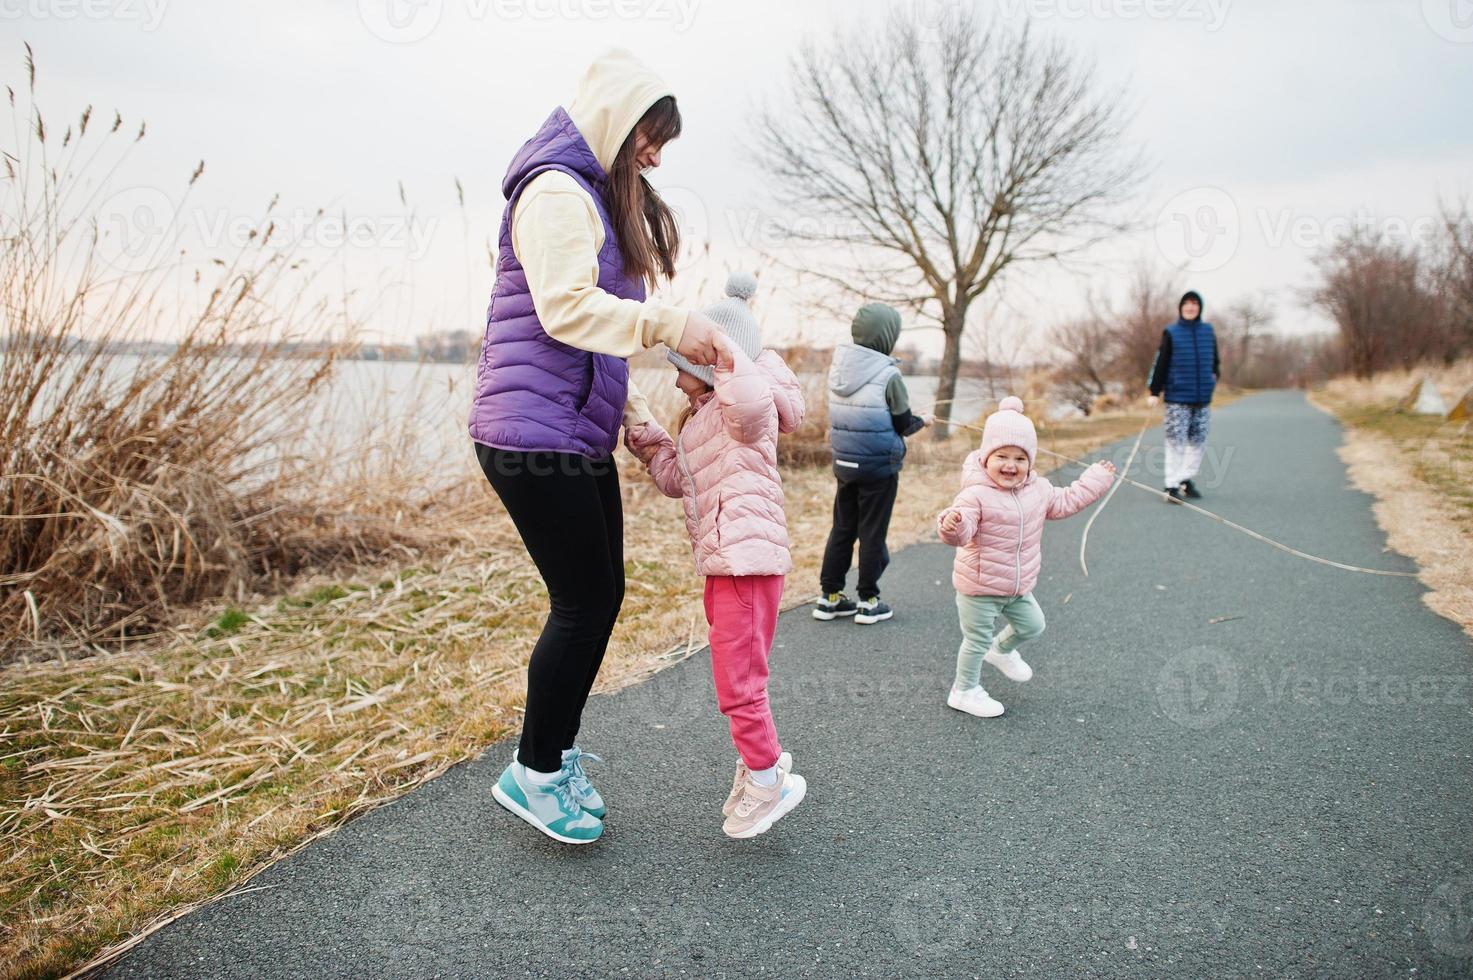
{"type": "Point", "coordinates": [742, 611]}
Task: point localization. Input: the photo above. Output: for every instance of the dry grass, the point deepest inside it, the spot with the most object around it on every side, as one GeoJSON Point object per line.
{"type": "Point", "coordinates": [133, 485]}
{"type": "Point", "coordinates": [137, 784]}
{"type": "Point", "coordinates": [1420, 470]}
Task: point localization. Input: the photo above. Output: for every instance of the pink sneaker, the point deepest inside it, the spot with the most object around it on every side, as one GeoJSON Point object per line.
{"type": "Point", "coordinates": [784, 762]}
{"type": "Point", "coordinates": [762, 806]}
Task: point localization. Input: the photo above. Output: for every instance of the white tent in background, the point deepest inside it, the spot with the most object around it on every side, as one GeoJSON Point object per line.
{"type": "Point", "coordinates": [1423, 399]}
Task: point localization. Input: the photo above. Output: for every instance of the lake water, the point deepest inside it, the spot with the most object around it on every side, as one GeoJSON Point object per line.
{"type": "Point", "coordinates": [425, 406]}
{"type": "Point", "coordinates": [418, 411]}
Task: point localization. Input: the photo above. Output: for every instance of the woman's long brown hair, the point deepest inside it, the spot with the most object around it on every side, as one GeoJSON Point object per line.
{"type": "Point", "coordinates": [649, 238]}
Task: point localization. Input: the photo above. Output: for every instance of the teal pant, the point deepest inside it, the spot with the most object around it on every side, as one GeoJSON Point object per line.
{"type": "Point", "coordinates": [978, 615]}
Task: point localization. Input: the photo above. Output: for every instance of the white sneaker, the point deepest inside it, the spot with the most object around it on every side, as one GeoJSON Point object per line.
{"type": "Point", "coordinates": [974, 701]}
{"type": "Point", "coordinates": [1011, 665]}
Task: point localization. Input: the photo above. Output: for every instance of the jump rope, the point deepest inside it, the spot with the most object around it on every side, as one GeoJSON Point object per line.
{"type": "Point", "coordinates": [1121, 477]}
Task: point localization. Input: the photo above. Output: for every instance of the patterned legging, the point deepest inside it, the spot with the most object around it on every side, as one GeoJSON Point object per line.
{"type": "Point", "coordinates": [1186, 437]}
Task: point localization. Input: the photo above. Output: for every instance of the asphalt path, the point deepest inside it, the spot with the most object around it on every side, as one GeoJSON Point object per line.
{"type": "Point", "coordinates": [1230, 762]}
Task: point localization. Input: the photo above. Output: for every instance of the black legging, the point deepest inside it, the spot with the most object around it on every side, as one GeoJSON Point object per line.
{"type": "Point", "coordinates": [567, 509]}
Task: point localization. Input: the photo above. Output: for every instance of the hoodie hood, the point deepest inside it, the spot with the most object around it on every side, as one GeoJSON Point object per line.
{"type": "Point", "coordinates": [876, 326]}
{"type": "Point", "coordinates": [1201, 307]}
{"type": "Point", "coordinates": [614, 93]}
{"type": "Point", "coordinates": [854, 367]}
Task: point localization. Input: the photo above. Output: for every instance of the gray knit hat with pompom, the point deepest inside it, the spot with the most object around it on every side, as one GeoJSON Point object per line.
{"type": "Point", "coordinates": [734, 316]}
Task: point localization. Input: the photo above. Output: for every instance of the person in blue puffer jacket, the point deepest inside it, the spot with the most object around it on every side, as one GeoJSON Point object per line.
{"type": "Point", "coordinates": [869, 420]}
{"type": "Point", "coordinates": [1186, 370]}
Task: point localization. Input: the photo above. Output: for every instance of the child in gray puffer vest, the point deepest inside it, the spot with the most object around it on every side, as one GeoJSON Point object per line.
{"type": "Point", "coordinates": [869, 420]}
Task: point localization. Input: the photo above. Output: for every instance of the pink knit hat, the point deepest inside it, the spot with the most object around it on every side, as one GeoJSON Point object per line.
{"type": "Point", "coordinates": [1008, 426]}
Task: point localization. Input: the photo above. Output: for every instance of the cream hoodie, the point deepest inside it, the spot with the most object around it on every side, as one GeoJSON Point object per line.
{"type": "Point", "coordinates": [556, 232]}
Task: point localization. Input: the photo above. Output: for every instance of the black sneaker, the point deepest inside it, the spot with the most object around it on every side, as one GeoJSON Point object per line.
{"type": "Point", "coordinates": [1174, 495]}
{"type": "Point", "coordinates": [834, 605]}
{"type": "Point", "coordinates": [1190, 490]}
{"type": "Point", "coordinates": [872, 611]}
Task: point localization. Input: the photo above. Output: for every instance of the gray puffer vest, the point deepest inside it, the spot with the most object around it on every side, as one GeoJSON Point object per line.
{"type": "Point", "coordinates": [861, 433]}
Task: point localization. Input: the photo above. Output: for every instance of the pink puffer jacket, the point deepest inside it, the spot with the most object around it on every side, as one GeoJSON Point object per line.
{"type": "Point", "coordinates": [724, 465]}
{"type": "Point", "coordinates": [998, 546]}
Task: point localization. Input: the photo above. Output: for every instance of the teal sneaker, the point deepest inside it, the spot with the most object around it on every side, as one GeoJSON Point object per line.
{"type": "Point", "coordinates": [550, 807]}
{"type": "Point", "coordinates": [578, 783]}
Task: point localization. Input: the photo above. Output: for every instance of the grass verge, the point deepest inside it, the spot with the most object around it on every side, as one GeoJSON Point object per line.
{"type": "Point", "coordinates": [1420, 470]}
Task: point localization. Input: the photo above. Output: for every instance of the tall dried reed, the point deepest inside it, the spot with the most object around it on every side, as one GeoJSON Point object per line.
{"type": "Point", "coordinates": [139, 476]}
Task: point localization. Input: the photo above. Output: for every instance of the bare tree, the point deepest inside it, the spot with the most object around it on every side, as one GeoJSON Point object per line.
{"type": "Point", "coordinates": [1089, 346]}
{"type": "Point", "coordinates": [1241, 331]}
{"type": "Point", "coordinates": [927, 158]}
{"type": "Point", "coordinates": [1150, 305]}
{"type": "Point", "coordinates": [1377, 293]}
{"type": "Point", "coordinates": [1453, 271]}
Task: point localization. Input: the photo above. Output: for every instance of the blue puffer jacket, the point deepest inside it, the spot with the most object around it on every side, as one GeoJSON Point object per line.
{"type": "Point", "coordinates": [1189, 378]}
{"type": "Point", "coordinates": [861, 431]}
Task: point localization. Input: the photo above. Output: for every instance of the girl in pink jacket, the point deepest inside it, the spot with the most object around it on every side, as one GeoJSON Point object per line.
{"type": "Point", "coordinates": [722, 463]}
{"type": "Point", "coordinates": [996, 525]}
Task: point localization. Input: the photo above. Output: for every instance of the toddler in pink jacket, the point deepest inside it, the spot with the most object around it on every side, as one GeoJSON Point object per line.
{"type": "Point", "coordinates": [722, 463]}
{"type": "Point", "coordinates": [996, 525]}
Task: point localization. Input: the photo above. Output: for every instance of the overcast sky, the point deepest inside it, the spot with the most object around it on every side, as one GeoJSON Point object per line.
{"type": "Point", "coordinates": [1271, 124]}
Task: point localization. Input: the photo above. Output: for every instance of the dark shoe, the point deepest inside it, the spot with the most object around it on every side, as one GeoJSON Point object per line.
{"type": "Point", "coordinates": [833, 606]}
{"type": "Point", "coordinates": [1174, 495]}
{"type": "Point", "coordinates": [1190, 489]}
{"type": "Point", "coordinates": [872, 611]}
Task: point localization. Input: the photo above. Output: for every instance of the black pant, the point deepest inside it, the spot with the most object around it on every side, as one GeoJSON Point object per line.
{"type": "Point", "coordinates": [861, 510]}
{"type": "Point", "coordinates": [567, 509]}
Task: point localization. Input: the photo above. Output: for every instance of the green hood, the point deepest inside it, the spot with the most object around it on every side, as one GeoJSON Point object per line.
{"type": "Point", "coordinates": [876, 326]}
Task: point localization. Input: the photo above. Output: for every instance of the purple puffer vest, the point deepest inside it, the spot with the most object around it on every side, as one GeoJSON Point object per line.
{"type": "Point", "coordinates": [533, 392]}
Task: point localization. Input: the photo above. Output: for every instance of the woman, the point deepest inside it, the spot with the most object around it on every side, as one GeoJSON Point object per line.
{"type": "Point", "coordinates": [582, 237]}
